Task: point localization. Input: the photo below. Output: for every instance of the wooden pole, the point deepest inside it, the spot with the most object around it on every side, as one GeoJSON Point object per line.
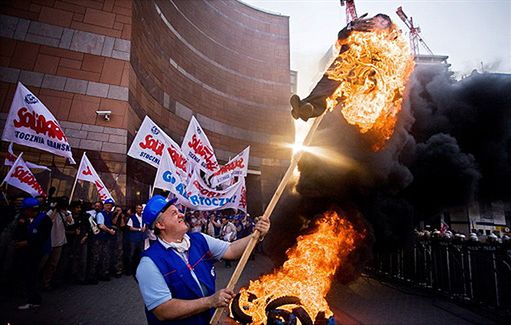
{"type": "Point", "coordinates": [267, 213]}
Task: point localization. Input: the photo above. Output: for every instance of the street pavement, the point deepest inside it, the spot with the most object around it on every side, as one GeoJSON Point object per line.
{"type": "Point", "coordinates": [365, 301]}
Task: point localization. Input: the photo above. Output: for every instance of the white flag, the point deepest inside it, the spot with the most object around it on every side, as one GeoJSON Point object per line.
{"type": "Point", "coordinates": [87, 173]}
{"type": "Point", "coordinates": [236, 167]}
{"type": "Point", "coordinates": [199, 196]}
{"type": "Point", "coordinates": [240, 197]}
{"type": "Point", "coordinates": [21, 177]}
{"type": "Point", "coordinates": [197, 148]}
{"type": "Point", "coordinates": [31, 124]}
{"type": "Point", "coordinates": [149, 143]}
{"type": "Point", "coordinates": [10, 158]}
{"type": "Point", "coordinates": [169, 176]}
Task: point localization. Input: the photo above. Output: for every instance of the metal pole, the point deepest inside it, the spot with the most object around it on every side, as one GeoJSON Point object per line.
{"type": "Point", "coordinates": [471, 284]}
{"type": "Point", "coordinates": [463, 276]}
{"type": "Point", "coordinates": [448, 270]}
{"type": "Point", "coordinates": [495, 277]}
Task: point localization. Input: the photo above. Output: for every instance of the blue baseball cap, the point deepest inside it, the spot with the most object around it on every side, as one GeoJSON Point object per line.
{"type": "Point", "coordinates": [109, 201]}
{"type": "Point", "coordinates": [156, 205]}
{"type": "Point", "coordinates": [30, 203]}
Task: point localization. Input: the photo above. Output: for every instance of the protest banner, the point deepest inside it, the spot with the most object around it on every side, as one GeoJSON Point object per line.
{"type": "Point", "coordinates": [87, 173]}
{"type": "Point", "coordinates": [31, 124]}
{"type": "Point", "coordinates": [236, 167]}
{"type": "Point", "coordinates": [21, 177]}
{"type": "Point", "coordinates": [149, 143]}
{"type": "Point", "coordinates": [197, 149]}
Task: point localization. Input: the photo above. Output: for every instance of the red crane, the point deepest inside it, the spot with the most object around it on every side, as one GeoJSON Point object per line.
{"type": "Point", "coordinates": [351, 11]}
{"type": "Point", "coordinates": [415, 38]}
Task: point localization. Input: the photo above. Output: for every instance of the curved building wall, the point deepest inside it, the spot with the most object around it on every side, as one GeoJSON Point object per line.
{"type": "Point", "coordinates": [223, 62]}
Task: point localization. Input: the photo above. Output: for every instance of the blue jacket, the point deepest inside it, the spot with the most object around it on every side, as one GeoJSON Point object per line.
{"type": "Point", "coordinates": [135, 236]}
{"type": "Point", "coordinates": [39, 234]}
{"type": "Point", "coordinates": [179, 279]}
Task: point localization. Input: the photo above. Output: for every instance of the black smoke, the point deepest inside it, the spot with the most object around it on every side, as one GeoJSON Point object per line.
{"type": "Point", "coordinates": [452, 145]}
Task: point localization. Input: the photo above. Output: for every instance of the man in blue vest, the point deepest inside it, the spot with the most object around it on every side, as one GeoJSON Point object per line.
{"type": "Point", "coordinates": [176, 275]}
{"type": "Point", "coordinates": [106, 237]}
{"type": "Point", "coordinates": [136, 237]}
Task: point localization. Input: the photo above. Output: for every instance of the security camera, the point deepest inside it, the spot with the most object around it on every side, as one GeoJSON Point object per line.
{"type": "Point", "coordinates": [105, 114]}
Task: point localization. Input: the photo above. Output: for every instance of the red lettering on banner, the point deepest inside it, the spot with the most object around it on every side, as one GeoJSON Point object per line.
{"type": "Point", "coordinates": [229, 167]}
{"type": "Point", "coordinates": [24, 176]}
{"type": "Point", "coordinates": [178, 159]}
{"type": "Point", "coordinates": [153, 144]}
{"type": "Point", "coordinates": [87, 171]}
{"type": "Point", "coordinates": [205, 191]}
{"type": "Point", "coordinates": [99, 187]}
{"type": "Point", "coordinates": [204, 152]}
{"type": "Point", "coordinates": [39, 124]}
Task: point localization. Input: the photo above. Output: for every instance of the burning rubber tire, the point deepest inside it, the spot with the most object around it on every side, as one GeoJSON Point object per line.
{"type": "Point", "coordinates": [237, 310]}
{"type": "Point", "coordinates": [274, 314]}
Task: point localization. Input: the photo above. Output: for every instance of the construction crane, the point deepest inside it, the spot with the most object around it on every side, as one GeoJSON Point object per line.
{"type": "Point", "coordinates": [415, 38]}
{"type": "Point", "coordinates": [351, 11]}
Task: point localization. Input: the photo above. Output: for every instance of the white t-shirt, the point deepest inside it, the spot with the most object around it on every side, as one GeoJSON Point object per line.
{"type": "Point", "coordinates": [58, 231]}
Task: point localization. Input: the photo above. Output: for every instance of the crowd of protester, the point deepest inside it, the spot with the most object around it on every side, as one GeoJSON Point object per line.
{"type": "Point", "coordinates": [49, 243]}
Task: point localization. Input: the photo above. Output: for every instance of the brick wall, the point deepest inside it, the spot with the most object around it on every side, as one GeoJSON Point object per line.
{"type": "Point", "coordinates": [74, 55]}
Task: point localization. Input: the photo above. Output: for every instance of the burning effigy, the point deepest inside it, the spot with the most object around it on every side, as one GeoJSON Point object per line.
{"type": "Point", "coordinates": [367, 80]}
{"type": "Point", "coordinates": [297, 290]}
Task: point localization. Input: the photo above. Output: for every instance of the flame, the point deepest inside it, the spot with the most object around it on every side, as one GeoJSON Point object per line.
{"type": "Point", "coordinates": [308, 272]}
{"type": "Point", "coordinates": [373, 71]}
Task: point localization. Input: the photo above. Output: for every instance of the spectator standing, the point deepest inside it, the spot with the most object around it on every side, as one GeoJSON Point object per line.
{"type": "Point", "coordinates": [106, 237]}
{"type": "Point", "coordinates": [94, 246]}
{"type": "Point", "coordinates": [61, 218]}
{"type": "Point", "coordinates": [228, 234]}
{"type": "Point", "coordinates": [136, 236]}
{"type": "Point", "coordinates": [213, 226]}
{"type": "Point", "coordinates": [33, 237]}
{"type": "Point", "coordinates": [79, 248]}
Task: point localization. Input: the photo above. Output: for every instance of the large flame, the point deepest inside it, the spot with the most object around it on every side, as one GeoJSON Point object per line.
{"type": "Point", "coordinates": [374, 71]}
{"type": "Point", "coordinates": [308, 272]}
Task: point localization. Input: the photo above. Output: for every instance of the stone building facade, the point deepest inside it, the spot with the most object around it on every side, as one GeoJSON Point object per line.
{"type": "Point", "coordinates": [222, 61]}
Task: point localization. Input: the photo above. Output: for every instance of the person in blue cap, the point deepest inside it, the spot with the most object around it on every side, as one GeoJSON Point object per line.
{"type": "Point", "coordinates": [176, 275]}
{"type": "Point", "coordinates": [33, 242]}
{"type": "Point", "coordinates": [106, 238]}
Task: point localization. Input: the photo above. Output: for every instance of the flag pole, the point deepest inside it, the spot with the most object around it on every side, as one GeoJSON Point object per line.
{"type": "Point", "coordinates": [49, 181]}
{"type": "Point", "coordinates": [76, 179]}
{"type": "Point", "coordinates": [267, 214]}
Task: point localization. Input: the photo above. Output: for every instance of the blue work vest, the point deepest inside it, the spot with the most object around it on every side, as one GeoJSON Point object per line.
{"type": "Point", "coordinates": [179, 279]}
{"type": "Point", "coordinates": [107, 221]}
{"type": "Point", "coordinates": [135, 236]}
